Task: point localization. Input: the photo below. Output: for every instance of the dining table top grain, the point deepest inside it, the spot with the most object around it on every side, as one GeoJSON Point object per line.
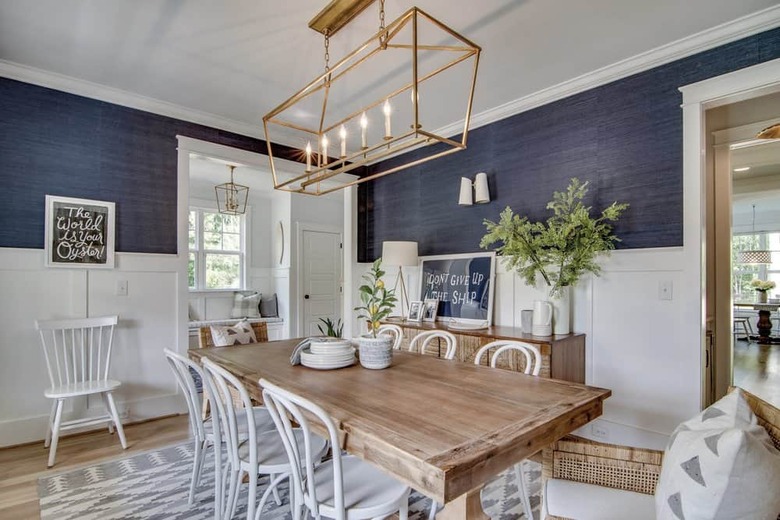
{"type": "Point", "coordinates": [443, 427]}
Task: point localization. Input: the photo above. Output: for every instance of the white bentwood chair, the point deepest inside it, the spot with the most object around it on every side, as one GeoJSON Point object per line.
{"type": "Point", "coordinates": [78, 358]}
{"type": "Point", "coordinates": [342, 488]}
{"type": "Point", "coordinates": [395, 331]}
{"type": "Point", "coordinates": [203, 432]}
{"type": "Point", "coordinates": [423, 342]}
{"type": "Point", "coordinates": [533, 365]}
{"type": "Point", "coordinates": [261, 453]}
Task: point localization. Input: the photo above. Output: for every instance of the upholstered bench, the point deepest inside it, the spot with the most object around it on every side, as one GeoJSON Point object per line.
{"type": "Point", "coordinates": [584, 479]}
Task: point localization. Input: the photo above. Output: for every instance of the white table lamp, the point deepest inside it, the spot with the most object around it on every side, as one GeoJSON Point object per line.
{"type": "Point", "coordinates": [400, 253]}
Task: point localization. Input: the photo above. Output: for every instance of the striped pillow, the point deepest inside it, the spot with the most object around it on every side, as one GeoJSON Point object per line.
{"type": "Point", "coordinates": [246, 304]}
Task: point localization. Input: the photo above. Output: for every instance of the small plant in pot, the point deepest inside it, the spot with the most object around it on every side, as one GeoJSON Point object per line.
{"type": "Point", "coordinates": [376, 350]}
{"type": "Point", "coordinates": [559, 251]}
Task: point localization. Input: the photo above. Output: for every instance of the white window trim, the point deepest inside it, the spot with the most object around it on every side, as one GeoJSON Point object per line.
{"type": "Point", "coordinates": [244, 256]}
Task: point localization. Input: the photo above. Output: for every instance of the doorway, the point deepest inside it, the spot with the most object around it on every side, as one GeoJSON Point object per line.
{"type": "Point", "coordinates": [743, 218]}
{"type": "Point", "coordinates": [321, 273]}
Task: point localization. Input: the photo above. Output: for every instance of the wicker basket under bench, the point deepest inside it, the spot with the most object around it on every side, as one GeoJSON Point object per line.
{"type": "Point", "coordinates": [622, 467]}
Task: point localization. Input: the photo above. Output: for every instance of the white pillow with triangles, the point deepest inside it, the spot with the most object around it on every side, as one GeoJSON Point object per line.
{"type": "Point", "coordinates": [720, 465]}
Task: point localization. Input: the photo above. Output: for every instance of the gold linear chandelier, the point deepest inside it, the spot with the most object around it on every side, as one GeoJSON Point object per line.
{"type": "Point", "coordinates": [339, 125]}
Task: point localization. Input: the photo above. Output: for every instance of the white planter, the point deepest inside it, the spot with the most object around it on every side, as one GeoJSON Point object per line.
{"type": "Point", "coordinates": [561, 303]}
{"type": "Point", "coordinates": [376, 353]}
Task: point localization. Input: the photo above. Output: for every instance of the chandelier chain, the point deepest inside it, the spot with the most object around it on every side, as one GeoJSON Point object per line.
{"type": "Point", "coordinates": [382, 35]}
{"type": "Point", "coordinates": [327, 51]}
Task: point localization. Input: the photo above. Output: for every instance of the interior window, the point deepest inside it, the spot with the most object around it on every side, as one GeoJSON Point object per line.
{"type": "Point", "coordinates": [217, 250]}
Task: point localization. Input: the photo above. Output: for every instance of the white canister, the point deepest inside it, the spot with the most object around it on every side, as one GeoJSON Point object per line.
{"type": "Point", "coordinates": [542, 323]}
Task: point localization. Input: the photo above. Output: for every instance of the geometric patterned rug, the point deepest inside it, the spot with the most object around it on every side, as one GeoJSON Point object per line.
{"type": "Point", "coordinates": [155, 485]}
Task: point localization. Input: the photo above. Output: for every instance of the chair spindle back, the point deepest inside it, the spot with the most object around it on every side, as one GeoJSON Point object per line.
{"type": "Point", "coordinates": [77, 350]}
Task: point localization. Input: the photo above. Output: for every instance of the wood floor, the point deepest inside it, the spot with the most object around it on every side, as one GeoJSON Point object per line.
{"type": "Point", "coordinates": [757, 369]}
{"type": "Point", "coordinates": [20, 467]}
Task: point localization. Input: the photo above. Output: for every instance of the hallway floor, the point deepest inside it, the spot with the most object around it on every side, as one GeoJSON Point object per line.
{"type": "Point", "coordinates": [757, 369]}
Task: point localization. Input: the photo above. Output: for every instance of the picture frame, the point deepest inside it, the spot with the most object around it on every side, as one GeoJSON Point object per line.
{"type": "Point", "coordinates": [430, 309]}
{"type": "Point", "coordinates": [79, 233]}
{"type": "Point", "coordinates": [463, 284]}
{"type": "Point", "coordinates": [415, 311]}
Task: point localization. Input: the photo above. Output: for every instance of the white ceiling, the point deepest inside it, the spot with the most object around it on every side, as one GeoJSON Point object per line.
{"type": "Point", "coordinates": [241, 58]}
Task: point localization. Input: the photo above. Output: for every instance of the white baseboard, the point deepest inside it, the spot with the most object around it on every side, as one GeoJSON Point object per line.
{"type": "Point", "coordinates": [32, 429]}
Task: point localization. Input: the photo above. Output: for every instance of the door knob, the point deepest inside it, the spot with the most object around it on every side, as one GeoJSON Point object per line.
{"type": "Point", "coordinates": [306, 296]}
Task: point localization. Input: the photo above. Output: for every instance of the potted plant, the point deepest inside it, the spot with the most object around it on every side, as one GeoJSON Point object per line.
{"type": "Point", "coordinates": [762, 287]}
{"type": "Point", "coordinates": [332, 329]}
{"type": "Point", "coordinates": [560, 250]}
{"type": "Point", "coordinates": [376, 350]}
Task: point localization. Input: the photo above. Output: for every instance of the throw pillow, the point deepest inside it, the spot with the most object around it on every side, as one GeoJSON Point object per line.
{"type": "Point", "coordinates": [720, 465]}
{"type": "Point", "coordinates": [269, 307]}
{"type": "Point", "coordinates": [246, 304]}
{"type": "Point", "coordinates": [241, 333]}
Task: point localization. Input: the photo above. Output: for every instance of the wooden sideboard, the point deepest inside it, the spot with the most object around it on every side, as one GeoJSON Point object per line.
{"type": "Point", "coordinates": [563, 356]}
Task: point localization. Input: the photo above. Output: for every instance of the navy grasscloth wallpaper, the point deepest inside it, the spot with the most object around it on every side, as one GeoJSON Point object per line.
{"type": "Point", "coordinates": [624, 137]}
{"type": "Point", "coordinates": [62, 144]}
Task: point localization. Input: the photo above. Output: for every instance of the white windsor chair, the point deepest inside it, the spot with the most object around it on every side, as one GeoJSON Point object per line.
{"type": "Point", "coordinates": [78, 358]}
{"type": "Point", "coordinates": [343, 487]}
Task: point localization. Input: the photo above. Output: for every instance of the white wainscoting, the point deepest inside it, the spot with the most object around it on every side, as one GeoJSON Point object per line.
{"type": "Point", "coordinates": [147, 325]}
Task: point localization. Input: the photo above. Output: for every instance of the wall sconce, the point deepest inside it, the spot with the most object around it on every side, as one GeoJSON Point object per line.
{"type": "Point", "coordinates": [481, 191]}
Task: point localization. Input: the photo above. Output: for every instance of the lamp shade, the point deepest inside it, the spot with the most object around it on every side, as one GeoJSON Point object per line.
{"type": "Point", "coordinates": [482, 193]}
{"type": "Point", "coordinates": [465, 192]}
{"type": "Point", "coordinates": [399, 253]}
{"type": "Point", "coordinates": [756, 256]}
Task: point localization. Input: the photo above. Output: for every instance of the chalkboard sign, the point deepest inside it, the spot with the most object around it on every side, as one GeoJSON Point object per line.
{"type": "Point", "coordinates": [79, 233]}
{"type": "Point", "coordinates": [463, 284]}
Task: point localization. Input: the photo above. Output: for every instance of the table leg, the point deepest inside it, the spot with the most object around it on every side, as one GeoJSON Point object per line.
{"type": "Point", "coordinates": [764, 326]}
{"type": "Point", "coordinates": [468, 506]}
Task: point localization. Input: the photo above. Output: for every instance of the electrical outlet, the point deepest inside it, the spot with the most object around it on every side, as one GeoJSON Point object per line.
{"type": "Point", "coordinates": [665, 290]}
{"type": "Point", "coordinates": [121, 288]}
{"type": "Point", "coordinates": [600, 431]}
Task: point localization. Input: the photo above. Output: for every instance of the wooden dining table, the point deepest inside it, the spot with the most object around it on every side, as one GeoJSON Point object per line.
{"type": "Point", "coordinates": [445, 428]}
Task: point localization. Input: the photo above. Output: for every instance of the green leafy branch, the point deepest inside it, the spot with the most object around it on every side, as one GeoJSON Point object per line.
{"type": "Point", "coordinates": [561, 249]}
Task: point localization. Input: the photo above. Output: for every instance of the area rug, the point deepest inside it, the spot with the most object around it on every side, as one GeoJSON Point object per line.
{"type": "Point", "coordinates": [155, 485]}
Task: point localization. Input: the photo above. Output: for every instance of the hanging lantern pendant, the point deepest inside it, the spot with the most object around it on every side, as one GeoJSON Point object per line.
{"type": "Point", "coordinates": [231, 197]}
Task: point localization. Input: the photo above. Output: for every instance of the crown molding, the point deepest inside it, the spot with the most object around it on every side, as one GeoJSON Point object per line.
{"type": "Point", "coordinates": [708, 39]}
{"type": "Point", "coordinates": [734, 30]}
{"type": "Point", "coordinates": [79, 87]}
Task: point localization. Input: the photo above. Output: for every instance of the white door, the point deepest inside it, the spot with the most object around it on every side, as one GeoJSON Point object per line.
{"type": "Point", "coordinates": [321, 263]}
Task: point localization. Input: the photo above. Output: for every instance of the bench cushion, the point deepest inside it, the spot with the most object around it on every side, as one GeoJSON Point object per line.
{"type": "Point", "coordinates": [569, 499]}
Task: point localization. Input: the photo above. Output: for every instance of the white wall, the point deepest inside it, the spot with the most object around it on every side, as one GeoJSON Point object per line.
{"type": "Point", "coordinates": [147, 325]}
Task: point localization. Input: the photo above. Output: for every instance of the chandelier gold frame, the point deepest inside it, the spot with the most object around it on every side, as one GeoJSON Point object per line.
{"type": "Point", "coordinates": [328, 21]}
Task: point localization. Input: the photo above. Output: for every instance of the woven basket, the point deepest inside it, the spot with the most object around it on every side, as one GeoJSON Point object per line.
{"type": "Point", "coordinates": [376, 353]}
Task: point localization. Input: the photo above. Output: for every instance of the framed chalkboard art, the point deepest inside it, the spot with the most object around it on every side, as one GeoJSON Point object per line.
{"type": "Point", "coordinates": [79, 233]}
{"type": "Point", "coordinates": [463, 285]}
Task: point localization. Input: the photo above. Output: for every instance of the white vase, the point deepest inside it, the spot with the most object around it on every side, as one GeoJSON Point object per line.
{"type": "Point", "coordinates": [376, 353]}
{"type": "Point", "coordinates": [561, 303]}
